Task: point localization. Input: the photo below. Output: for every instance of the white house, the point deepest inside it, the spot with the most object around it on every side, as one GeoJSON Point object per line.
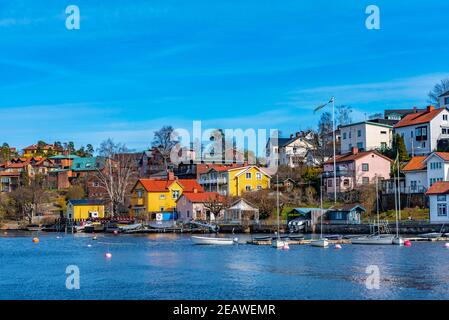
{"type": "Point", "coordinates": [365, 136]}
{"type": "Point", "coordinates": [291, 151]}
{"type": "Point", "coordinates": [415, 172]}
{"type": "Point", "coordinates": [438, 202]}
{"type": "Point", "coordinates": [422, 130]}
{"type": "Point", "coordinates": [444, 100]}
{"type": "Point", "coordinates": [437, 167]}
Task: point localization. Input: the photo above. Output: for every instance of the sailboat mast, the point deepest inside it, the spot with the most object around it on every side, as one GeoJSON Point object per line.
{"type": "Point", "coordinates": [399, 202]}
{"type": "Point", "coordinates": [321, 208]}
{"type": "Point", "coordinates": [377, 204]}
{"type": "Point", "coordinates": [277, 200]}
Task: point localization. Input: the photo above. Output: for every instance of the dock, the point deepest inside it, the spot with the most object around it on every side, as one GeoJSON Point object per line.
{"type": "Point", "coordinates": [342, 241]}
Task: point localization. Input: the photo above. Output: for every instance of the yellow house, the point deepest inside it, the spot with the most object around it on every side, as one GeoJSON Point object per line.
{"type": "Point", "coordinates": [36, 150]}
{"type": "Point", "coordinates": [158, 196]}
{"type": "Point", "coordinates": [235, 181]}
{"type": "Point", "coordinates": [85, 209]}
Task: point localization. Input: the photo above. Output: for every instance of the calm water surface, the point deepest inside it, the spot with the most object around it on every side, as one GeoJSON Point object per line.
{"type": "Point", "coordinates": [168, 266]}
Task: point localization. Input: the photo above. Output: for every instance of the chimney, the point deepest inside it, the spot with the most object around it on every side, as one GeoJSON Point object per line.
{"type": "Point", "coordinates": [430, 108]}
{"type": "Point", "coordinates": [291, 136]}
{"type": "Point", "coordinates": [170, 175]}
{"type": "Point", "coordinates": [355, 150]}
{"type": "Point", "coordinates": [415, 109]}
{"type": "Point", "coordinates": [195, 190]}
{"type": "Point", "coordinates": [297, 134]}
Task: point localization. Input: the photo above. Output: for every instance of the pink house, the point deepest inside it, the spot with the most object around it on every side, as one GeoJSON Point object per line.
{"type": "Point", "coordinates": [192, 206]}
{"type": "Point", "coordinates": [355, 169]}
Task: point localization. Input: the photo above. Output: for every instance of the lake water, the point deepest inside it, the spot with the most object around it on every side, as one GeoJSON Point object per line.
{"type": "Point", "coordinates": [168, 266]}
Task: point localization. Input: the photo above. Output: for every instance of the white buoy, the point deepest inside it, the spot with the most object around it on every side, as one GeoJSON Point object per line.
{"type": "Point", "coordinates": [108, 255]}
{"type": "Point", "coordinates": [89, 245]}
{"type": "Point", "coordinates": [446, 244]}
{"type": "Point", "coordinates": [286, 247]}
{"type": "Point", "coordinates": [337, 246]}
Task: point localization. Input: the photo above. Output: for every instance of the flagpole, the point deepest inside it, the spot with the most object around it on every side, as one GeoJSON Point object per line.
{"type": "Point", "coordinates": [333, 140]}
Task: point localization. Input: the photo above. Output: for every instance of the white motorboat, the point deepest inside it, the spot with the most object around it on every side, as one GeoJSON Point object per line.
{"type": "Point", "coordinates": [398, 241]}
{"type": "Point", "coordinates": [279, 243]}
{"type": "Point", "coordinates": [322, 243]}
{"type": "Point", "coordinates": [213, 240]}
{"type": "Point", "coordinates": [374, 239]}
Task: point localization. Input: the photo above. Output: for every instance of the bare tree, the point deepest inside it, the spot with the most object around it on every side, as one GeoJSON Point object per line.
{"type": "Point", "coordinates": [115, 172]}
{"type": "Point", "coordinates": [216, 204]}
{"type": "Point", "coordinates": [28, 199]}
{"type": "Point", "coordinates": [163, 143]}
{"type": "Point", "coordinates": [438, 89]}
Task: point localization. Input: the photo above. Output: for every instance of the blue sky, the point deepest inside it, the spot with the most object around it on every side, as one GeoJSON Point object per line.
{"type": "Point", "coordinates": [137, 65]}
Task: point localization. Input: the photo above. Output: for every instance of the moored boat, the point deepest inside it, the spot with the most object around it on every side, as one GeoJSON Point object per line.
{"type": "Point", "coordinates": [213, 240]}
{"type": "Point", "coordinates": [279, 243]}
{"type": "Point", "coordinates": [322, 243]}
{"type": "Point", "coordinates": [374, 239]}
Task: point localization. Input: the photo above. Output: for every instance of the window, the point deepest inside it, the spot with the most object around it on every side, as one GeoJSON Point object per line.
{"type": "Point", "coordinates": [360, 145]}
{"type": "Point", "coordinates": [188, 213]}
{"type": "Point", "coordinates": [350, 134]}
{"type": "Point", "coordinates": [445, 116]}
{"type": "Point", "coordinates": [175, 194]}
{"type": "Point", "coordinates": [413, 185]}
{"type": "Point", "coordinates": [444, 131]}
{"type": "Point", "coordinates": [344, 135]}
{"type": "Point", "coordinates": [162, 197]}
{"type": "Point", "coordinates": [259, 187]}
{"type": "Point", "coordinates": [365, 180]}
{"type": "Point", "coordinates": [441, 197]}
{"type": "Point", "coordinates": [338, 215]}
{"type": "Point", "coordinates": [161, 209]}
{"type": "Point", "coordinates": [248, 188]}
{"type": "Point", "coordinates": [421, 133]}
{"type": "Point", "coordinates": [359, 133]}
{"type": "Point", "coordinates": [329, 183]}
{"type": "Point", "coordinates": [442, 209]}
{"type": "Point", "coordinates": [248, 175]}
{"type": "Point", "coordinates": [346, 182]}
{"type": "Point", "coordinates": [383, 132]}
{"type": "Point", "coordinates": [446, 100]}
{"type": "Point", "coordinates": [383, 145]}
{"type": "Point", "coordinates": [365, 167]}
{"type": "Point", "coordinates": [258, 176]}
{"type": "Point", "coordinates": [411, 134]}
{"type": "Point", "coordinates": [295, 149]}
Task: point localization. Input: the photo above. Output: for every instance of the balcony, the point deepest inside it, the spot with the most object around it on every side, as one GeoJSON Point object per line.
{"type": "Point", "coordinates": [221, 180]}
{"type": "Point", "coordinates": [340, 173]}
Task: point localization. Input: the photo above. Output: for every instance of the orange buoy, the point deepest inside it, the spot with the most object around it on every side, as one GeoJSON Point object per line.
{"type": "Point", "coordinates": [35, 240]}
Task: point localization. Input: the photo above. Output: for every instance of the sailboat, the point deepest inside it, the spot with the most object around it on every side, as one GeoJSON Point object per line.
{"type": "Point", "coordinates": [375, 238]}
{"type": "Point", "coordinates": [277, 242]}
{"type": "Point", "coordinates": [321, 242]}
{"type": "Point", "coordinates": [398, 240]}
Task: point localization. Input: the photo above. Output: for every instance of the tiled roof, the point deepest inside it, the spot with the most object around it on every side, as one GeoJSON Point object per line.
{"type": "Point", "coordinates": [418, 118]}
{"type": "Point", "coordinates": [202, 196]}
{"type": "Point", "coordinates": [442, 155]}
{"type": "Point", "coordinates": [416, 163]}
{"type": "Point", "coordinates": [162, 185]}
{"type": "Point", "coordinates": [204, 167]}
{"type": "Point", "coordinates": [440, 187]}
{"type": "Point", "coordinates": [46, 147]}
{"type": "Point", "coordinates": [351, 157]}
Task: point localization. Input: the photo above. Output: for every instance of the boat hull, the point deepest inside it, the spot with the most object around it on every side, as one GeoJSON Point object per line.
{"type": "Point", "coordinates": [321, 243]}
{"type": "Point", "coordinates": [212, 241]}
{"type": "Point", "coordinates": [278, 243]}
{"type": "Point", "coordinates": [398, 241]}
{"type": "Point", "coordinates": [373, 240]}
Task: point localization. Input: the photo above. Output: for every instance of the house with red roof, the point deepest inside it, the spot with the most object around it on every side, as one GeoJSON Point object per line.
{"type": "Point", "coordinates": [153, 196]}
{"type": "Point", "coordinates": [415, 172]}
{"type": "Point", "coordinates": [439, 202]}
{"type": "Point", "coordinates": [355, 169]}
{"type": "Point", "coordinates": [422, 130]}
{"type": "Point", "coordinates": [201, 206]}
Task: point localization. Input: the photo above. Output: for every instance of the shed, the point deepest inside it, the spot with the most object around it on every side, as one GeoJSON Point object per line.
{"type": "Point", "coordinates": [241, 210]}
{"type": "Point", "coordinates": [345, 214]}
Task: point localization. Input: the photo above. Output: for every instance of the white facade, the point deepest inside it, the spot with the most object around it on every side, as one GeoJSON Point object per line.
{"type": "Point", "coordinates": [422, 139]}
{"type": "Point", "coordinates": [366, 136]}
{"type": "Point", "coordinates": [438, 205]}
{"type": "Point", "coordinates": [444, 100]}
{"type": "Point", "coordinates": [416, 181]}
{"type": "Point", "coordinates": [437, 169]}
{"type": "Point", "coordinates": [291, 153]}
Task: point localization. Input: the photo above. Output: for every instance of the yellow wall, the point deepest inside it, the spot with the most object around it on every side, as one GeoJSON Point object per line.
{"type": "Point", "coordinates": [237, 184]}
{"type": "Point", "coordinates": [153, 201]}
{"type": "Point", "coordinates": [82, 212]}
